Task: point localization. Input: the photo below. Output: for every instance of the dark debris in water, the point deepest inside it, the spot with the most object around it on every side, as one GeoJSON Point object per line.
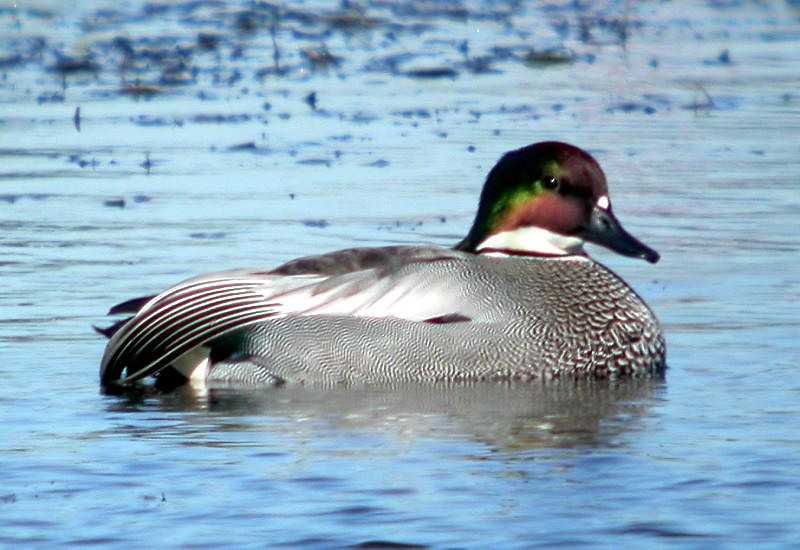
{"type": "Point", "coordinates": [311, 100]}
{"type": "Point", "coordinates": [212, 235]}
{"type": "Point", "coordinates": [114, 203]}
{"type": "Point", "coordinates": [249, 147]}
{"type": "Point", "coordinates": [549, 56]}
{"type": "Point", "coordinates": [381, 544]}
{"type": "Point", "coordinates": [631, 107]}
{"type": "Point", "coordinates": [415, 113]}
{"type": "Point", "coordinates": [217, 43]}
{"type": "Point", "coordinates": [10, 60]}
{"type": "Point", "coordinates": [139, 91]}
{"type": "Point", "coordinates": [724, 59]}
{"type": "Point", "coordinates": [320, 58]}
{"type": "Point", "coordinates": [314, 162]}
{"type": "Point", "coordinates": [703, 103]}
{"type": "Point", "coordinates": [10, 198]}
{"type": "Point", "coordinates": [648, 104]}
{"type": "Point", "coordinates": [147, 164]}
{"type": "Point", "coordinates": [50, 97]}
{"type": "Point", "coordinates": [144, 120]}
{"type": "Point", "coordinates": [221, 119]}
{"type": "Point", "coordinates": [316, 223]}
{"type": "Point", "coordinates": [433, 72]}
{"type": "Point", "coordinates": [69, 65]}
{"type": "Point", "coordinates": [209, 41]}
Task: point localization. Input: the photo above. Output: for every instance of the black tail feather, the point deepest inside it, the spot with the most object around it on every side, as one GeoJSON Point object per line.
{"type": "Point", "coordinates": [130, 306]}
{"type": "Point", "coordinates": [109, 331]}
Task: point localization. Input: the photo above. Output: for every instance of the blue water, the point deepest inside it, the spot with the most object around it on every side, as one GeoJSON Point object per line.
{"type": "Point", "coordinates": [225, 161]}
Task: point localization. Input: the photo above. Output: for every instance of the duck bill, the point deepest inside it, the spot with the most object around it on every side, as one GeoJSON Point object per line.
{"type": "Point", "coordinates": [604, 229]}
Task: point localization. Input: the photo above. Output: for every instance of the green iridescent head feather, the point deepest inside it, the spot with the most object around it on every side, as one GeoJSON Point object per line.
{"type": "Point", "coordinates": [514, 181]}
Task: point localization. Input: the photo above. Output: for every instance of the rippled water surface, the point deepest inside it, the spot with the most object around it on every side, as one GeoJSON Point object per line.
{"type": "Point", "coordinates": [142, 143]}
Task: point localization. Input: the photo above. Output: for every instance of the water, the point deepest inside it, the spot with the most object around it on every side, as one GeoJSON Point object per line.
{"type": "Point", "coordinates": [201, 153]}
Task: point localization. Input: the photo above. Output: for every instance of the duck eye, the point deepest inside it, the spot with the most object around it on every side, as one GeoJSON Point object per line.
{"type": "Point", "coordinates": [550, 183]}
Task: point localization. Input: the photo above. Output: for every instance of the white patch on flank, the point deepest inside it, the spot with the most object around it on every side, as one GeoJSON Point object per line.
{"type": "Point", "coordinates": [193, 365]}
{"type": "Point", "coordinates": [534, 239]}
{"type": "Point", "coordinates": [198, 379]}
{"type": "Point", "coordinates": [199, 373]}
{"type": "Point", "coordinates": [603, 203]}
{"type": "Point", "coordinates": [496, 254]}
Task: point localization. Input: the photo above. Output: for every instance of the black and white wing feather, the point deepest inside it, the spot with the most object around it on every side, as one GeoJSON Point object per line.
{"type": "Point", "coordinates": [377, 283]}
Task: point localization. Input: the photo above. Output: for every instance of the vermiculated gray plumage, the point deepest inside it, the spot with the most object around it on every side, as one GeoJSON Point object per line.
{"type": "Point", "coordinates": [516, 299]}
{"type": "Point", "coordinates": [574, 318]}
{"type": "Point", "coordinates": [513, 317]}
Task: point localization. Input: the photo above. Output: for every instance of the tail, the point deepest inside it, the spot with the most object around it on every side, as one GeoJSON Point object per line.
{"type": "Point", "coordinates": [129, 306]}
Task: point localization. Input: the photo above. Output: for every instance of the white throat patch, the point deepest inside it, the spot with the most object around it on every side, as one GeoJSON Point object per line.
{"type": "Point", "coordinates": [534, 239]}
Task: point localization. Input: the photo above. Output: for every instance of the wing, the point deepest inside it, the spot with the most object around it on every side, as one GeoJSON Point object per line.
{"type": "Point", "coordinates": [397, 282]}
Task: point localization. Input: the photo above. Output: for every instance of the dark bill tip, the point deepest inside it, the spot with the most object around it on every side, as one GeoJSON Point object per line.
{"type": "Point", "coordinates": [604, 229]}
{"type": "Point", "coordinates": [650, 255]}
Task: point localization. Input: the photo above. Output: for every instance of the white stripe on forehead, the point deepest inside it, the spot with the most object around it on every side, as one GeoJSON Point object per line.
{"type": "Point", "coordinates": [603, 203]}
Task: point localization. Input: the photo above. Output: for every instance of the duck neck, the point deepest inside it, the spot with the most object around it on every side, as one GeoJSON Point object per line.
{"type": "Point", "coordinates": [530, 240]}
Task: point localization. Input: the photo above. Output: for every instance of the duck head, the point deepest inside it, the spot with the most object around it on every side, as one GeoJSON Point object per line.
{"type": "Point", "coordinates": [548, 199]}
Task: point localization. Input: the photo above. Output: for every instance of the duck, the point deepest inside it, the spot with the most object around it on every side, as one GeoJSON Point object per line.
{"type": "Point", "coordinates": [518, 298]}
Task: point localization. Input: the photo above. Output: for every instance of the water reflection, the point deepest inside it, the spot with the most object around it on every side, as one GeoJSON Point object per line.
{"type": "Point", "coordinates": [688, 105]}
{"type": "Point", "coordinates": [503, 416]}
